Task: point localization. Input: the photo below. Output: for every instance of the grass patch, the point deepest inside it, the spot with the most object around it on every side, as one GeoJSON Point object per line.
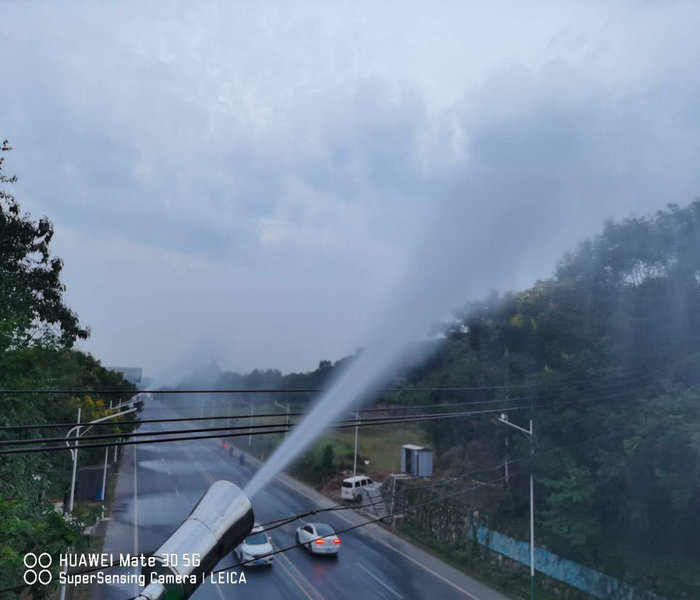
{"type": "Point", "coordinates": [380, 445]}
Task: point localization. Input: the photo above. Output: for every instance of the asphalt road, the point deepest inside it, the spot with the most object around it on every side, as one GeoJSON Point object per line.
{"type": "Point", "coordinates": [159, 484]}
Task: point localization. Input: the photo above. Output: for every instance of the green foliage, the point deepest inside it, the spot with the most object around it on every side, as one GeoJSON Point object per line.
{"type": "Point", "coordinates": [37, 331]}
{"type": "Point", "coordinates": [31, 293]}
{"type": "Point", "coordinates": [570, 511]}
{"type": "Point", "coordinates": [315, 468]}
{"type": "Point", "coordinates": [609, 350]}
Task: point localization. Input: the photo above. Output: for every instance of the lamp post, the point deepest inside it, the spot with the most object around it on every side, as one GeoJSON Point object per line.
{"type": "Point", "coordinates": [228, 419]}
{"type": "Point", "coordinates": [252, 411]}
{"type": "Point", "coordinates": [530, 433]}
{"type": "Point", "coordinates": [74, 448]}
{"type": "Point", "coordinates": [74, 455]}
{"type": "Point", "coordinates": [278, 405]}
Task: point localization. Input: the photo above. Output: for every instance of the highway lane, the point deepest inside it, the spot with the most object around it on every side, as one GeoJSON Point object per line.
{"type": "Point", "coordinates": [160, 483]}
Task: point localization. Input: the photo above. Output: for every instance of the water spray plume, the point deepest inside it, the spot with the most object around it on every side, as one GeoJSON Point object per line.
{"type": "Point", "coordinates": [417, 306]}
{"type": "Point", "coordinates": [514, 211]}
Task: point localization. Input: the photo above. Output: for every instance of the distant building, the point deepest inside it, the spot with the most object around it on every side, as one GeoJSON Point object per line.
{"type": "Point", "coordinates": [132, 374]}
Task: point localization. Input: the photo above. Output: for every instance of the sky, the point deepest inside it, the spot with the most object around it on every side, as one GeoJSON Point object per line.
{"type": "Point", "coordinates": [256, 183]}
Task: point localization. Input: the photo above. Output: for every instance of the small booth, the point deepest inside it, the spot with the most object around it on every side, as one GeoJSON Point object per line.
{"type": "Point", "coordinates": [417, 461]}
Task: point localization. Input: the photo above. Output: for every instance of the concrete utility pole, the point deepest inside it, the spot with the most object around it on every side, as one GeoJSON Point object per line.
{"type": "Point", "coordinates": [354, 462]}
{"type": "Point", "coordinates": [74, 452]}
{"type": "Point", "coordinates": [278, 405]}
{"type": "Point", "coordinates": [104, 472]}
{"type": "Point", "coordinates": [530, 433]}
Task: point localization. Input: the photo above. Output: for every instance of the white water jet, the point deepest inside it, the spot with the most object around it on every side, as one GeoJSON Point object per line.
{"type": "Point", "coordinates": [536, 182]}
{"type": "Point", "coordinates": [459, 249]}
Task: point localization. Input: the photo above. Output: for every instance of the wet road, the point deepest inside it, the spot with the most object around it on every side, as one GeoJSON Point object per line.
{"type": "Point", "coordinates": [159, 484]}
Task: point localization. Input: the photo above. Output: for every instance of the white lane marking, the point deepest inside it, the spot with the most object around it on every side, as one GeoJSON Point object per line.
{"type": "Point", "coordinates": [379, 581]}
{"type": "Point", "coordinates": [177, 492]}
{"type": "Point", "coordinates": [162, 458]}
{"type": "Point", "coordinates": [301, 577]}
{"type": "Point", "coordinates": [221, 595]}
{"type": "Point", "coordinates": [340, 516]}
{"type": "Point", "coordinates": [420, 564]}
{"type": "Point", "coordinates": [168, 471]}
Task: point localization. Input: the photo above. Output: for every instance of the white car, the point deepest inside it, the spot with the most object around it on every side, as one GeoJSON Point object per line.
{"type": "Point", "coordinates": [319, 538]}
{"type": "Point", "coordinates": [351, 489]}
{"type": "Point", "coordinates": [253, 549]}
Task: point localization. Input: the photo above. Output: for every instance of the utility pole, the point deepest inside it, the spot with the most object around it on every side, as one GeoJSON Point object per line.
{"type": "Point", "coordinates": [278, 405]}
{"type": "Point", "coordinates": [506, 461]}
{"type": "Point", "coordinates": [354, 462]}
{"type": "Point", "coordinates": [74, 452]}
{"type": "Point", "coordinates": [104, 472]}
{"type": "Point", "coordinates": [531, 434]}
{"type": "Point", "coordinates": [532, 520]}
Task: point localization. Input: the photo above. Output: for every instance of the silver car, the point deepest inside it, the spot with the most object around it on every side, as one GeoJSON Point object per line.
{"type": "Point", "coordinates": [318, 538]}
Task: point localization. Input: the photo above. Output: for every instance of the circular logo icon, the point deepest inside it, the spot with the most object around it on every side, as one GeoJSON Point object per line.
{"type": "Point", "coordinates": [30, 560]}
{"type": "Point", "coordinates": [45, 560]}
{"type": "Point", "coordinates": [32, 575]}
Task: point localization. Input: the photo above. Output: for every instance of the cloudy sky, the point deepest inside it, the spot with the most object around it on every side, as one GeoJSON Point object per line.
{"type": "Point", "coordinates": [254, 183]}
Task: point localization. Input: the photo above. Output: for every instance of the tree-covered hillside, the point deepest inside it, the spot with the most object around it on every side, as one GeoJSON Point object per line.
{"type": "Point", "coordinates": [604, 357]}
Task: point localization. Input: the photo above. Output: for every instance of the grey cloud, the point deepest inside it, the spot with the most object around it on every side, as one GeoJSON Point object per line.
{"type": "Point", "coordinates": [259, 176]}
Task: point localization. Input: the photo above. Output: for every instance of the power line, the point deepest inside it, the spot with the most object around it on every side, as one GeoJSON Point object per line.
{"type": "Point", "coordinates": [272, 429]}
{"type": "Point", "coordinates": [457, 388]}
{"type": "Point", "coordinates": [107, 436]}
{"type": "Point", "coordinates": [284, 428]}
{"type": "Point", "coordinates": [387, 408]}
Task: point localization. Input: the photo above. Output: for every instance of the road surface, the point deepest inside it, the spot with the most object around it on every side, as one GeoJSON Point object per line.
{"type": "Point", "coordinates": [159, 484]}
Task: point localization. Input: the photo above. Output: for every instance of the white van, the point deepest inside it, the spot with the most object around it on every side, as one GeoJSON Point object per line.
{"type": "Point", "coordinates": [351, 488]}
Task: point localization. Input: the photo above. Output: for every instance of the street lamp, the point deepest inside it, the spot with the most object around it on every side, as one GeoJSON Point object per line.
{"type": "Point", "coordinates": [74, 447]}
{"type": "Point", "coordinates": [530, 433]}
{"type": "Point", "coordinates": [74, 455]}
{"type": "Point", "coordinates": [250, 431]}
{"type": "Point", "coordinates": [278, 405]}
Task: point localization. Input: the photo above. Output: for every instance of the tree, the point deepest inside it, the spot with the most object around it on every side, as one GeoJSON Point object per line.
{"type": "Point", "coordinates": [37, 332]}
{"type": "Point", "coordinates": [31, 293]}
